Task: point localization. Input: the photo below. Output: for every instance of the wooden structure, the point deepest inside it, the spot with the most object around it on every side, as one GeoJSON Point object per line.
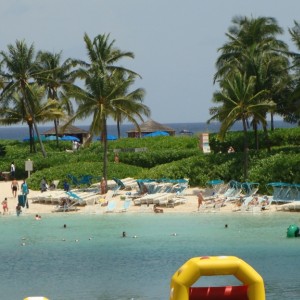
{"type": "Point", "coordinates": [147, 127]}
{"type": "Point", "coordinates": [82, 134]}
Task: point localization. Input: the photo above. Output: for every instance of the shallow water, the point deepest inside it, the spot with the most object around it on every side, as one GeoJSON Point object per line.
{"type": "Point", "coordinates": [90, 260]}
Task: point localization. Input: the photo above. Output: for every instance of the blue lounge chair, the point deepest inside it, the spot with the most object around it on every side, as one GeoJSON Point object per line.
{"type": "Point", "coordinates": [82, 180]}
{"type": "Point", "coordinates": [126, 205]}
{"type": "Point", "coordinates": [120, 184]}
{"type": "Point", "coordinates": [111, 206]}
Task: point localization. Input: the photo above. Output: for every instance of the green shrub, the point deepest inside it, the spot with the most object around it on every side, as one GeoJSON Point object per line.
{"type": "Point", "coordinates": [276, 168]}
{"type": "Point", "coordinates": [166, 157]}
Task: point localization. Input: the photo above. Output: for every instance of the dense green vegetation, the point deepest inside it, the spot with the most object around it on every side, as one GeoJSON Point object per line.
{"type": "Point", "coordinates": [166, 157]}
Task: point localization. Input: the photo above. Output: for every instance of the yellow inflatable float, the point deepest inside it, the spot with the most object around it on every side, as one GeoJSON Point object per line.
{"type": "Point", "coordinates": [182, 281]}
{"type": "Point", "coordinates": [36, 298]}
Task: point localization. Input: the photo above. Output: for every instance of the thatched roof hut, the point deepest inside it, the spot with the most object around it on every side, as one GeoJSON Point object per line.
{"type": "Point", "coordinates": [149, 126]}
{"type": "Point", "coordinates": [69, 130]}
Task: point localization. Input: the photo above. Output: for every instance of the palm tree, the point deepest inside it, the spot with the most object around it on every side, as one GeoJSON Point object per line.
{"type": "Point", "coordinates": [249, 38]}
{"type": "Point", "coordinates": [132, 106]}
{"type": "Point", "coordinates": [102, 98]}
{"type": "Point", "coordinates": [21, 70]}
{"type": "Point", "coordinates": [56, 77]}
{"type": "Point", "coordinates": [104, 92]}
{"type": "Point", "coordinates": [104, 55]}
{"type": "Point", "coordinates": [239, 101]}
{"type": "Point", "coordinates": [254, 49]}
{"type": "Point", "coordinates": [13, 110]}
{"type": "Point", "coordinates": [291, 111]}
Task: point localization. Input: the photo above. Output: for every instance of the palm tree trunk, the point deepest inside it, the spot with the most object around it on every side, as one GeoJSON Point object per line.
{"type": "Point", "coordinates": [39, 138]}
{"type": "Point", "coordinates": [246, 150]}
{"type": "Point", "coordinates": [104, 141]}
{"type": "Point", "coordinates": [31, 139]}
{"type": "Point", "coordinates": [267, 139]}
{"type": "Point", "coordinates": [272, 121]}
{"type": "Point", "coordinates": [23, 85]}
{"type": "Point", "coordinates": [119, 129]}
{"type": "Point", "coordinates": [256, 136]}
{"type": "Point", "coordinates": [56, 122]}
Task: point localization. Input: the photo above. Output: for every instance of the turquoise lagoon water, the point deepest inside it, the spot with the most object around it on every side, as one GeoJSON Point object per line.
{"type": "Point", "coordinates": [90, 260]}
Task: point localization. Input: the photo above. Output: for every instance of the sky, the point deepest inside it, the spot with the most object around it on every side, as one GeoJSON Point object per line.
{"type": "Point", "coordinates": [175, 42]}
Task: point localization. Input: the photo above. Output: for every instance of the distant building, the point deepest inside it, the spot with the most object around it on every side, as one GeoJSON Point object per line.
{"type": "Point", "coordinates": [69, 130]}
{"type": "Point", "coordinates": [147, 127]}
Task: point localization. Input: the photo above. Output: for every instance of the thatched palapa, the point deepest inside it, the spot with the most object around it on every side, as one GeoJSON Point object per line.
{"type": "Point", "coordinates": [69, 130]}
{"type": "Point", "coordinates": [149, 126]}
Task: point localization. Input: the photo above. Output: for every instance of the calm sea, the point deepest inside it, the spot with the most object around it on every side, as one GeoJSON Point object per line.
{"type": "Point", "coordinates": [89, 259]}
{"type": "Point", "coordinates": [19, 133]}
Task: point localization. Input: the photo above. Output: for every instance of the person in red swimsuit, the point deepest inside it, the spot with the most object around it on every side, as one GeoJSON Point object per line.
{"type": "Point", "coordinates": [5, 206]}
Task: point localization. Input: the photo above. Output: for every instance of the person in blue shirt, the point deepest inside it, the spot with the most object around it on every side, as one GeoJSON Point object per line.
{"type": "Point", "coordinates": [66, 186]}
{"type": "Point", "coordinates": [25, 191]}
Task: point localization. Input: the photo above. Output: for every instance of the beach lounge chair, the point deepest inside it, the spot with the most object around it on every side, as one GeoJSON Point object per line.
{"type": "Point", "coordinates": [125, 184]}
{"type": "Point", "coordinates": [130, 183]}
{"type": "Point", "coordinates": [120, 184]}
{"type": "Point", "coordinates": [149, 199]}
{"type": "Point", "coordinates": [69, 203]}
{"type": "Point", "coordinates": [249, 188]}
{"type": "Point", "coordinates": [233, 191]}
{"type": "Point", "coordinates": [54, 185]}
{"type": "Point", "coordinates": [214, 189]}
{"type": "Point", "coordinates": [176, 201]}
{"type": "Point", "coordinates": [126, 205]}
{"type": "Point", "coordinates": [163, 199]}
{"type": "Point", "coordinates": [66, 206]}
{"type": "Point", "coordinates": [85, 180]}
{"type": "Point", "coordinates": [108, 196]}
{"type": "Point", "coordinates": [111, 206]}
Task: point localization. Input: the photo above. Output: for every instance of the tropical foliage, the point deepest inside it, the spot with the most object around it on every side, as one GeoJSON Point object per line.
{"type": "Point", "coordinates": [106, 89]}
{"type": "Point", "coordinates": [165, 157]}
{"type": "Point", "coordinates": [252, 72]}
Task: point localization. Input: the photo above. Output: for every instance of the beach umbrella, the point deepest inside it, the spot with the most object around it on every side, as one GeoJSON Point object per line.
{"type": "Point", "coordinates": [157, 133]}
{"type": "Point", "coordinates": [51, 138]}
{"type": "Point", "coordinates": [109, 137]}
{"type": "Point", "coordinates": [27, 139]}
{"type": "Point", "coordinates": [70, 138]}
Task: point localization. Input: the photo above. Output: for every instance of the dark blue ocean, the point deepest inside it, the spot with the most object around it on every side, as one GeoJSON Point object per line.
{"type": "Point", "coordinates": [19, 133]}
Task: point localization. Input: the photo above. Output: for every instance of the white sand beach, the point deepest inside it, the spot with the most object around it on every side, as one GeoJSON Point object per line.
{"type": "Point", "coordinates": [190, 204]}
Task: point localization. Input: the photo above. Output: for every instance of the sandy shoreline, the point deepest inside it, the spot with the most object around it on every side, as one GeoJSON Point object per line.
{"type": "Point", "coordinates": [190, 206]}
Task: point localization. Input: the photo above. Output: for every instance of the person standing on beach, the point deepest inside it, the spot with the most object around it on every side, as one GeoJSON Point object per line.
{"type": "Point", "coordinates": [12, 170]}
{"type": "Point", "coordinates": [200, 199]}
{"type": "Point", "coordinates": [25, 191]}
{"type": "Point", "coordinates": [5, 206]}
{"type": "Point", "coordinates": [44, 185]}
{"type": "Point", "coordinates": [103, 186]}
{"type": "Point", "coordinates": [14, 187]}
